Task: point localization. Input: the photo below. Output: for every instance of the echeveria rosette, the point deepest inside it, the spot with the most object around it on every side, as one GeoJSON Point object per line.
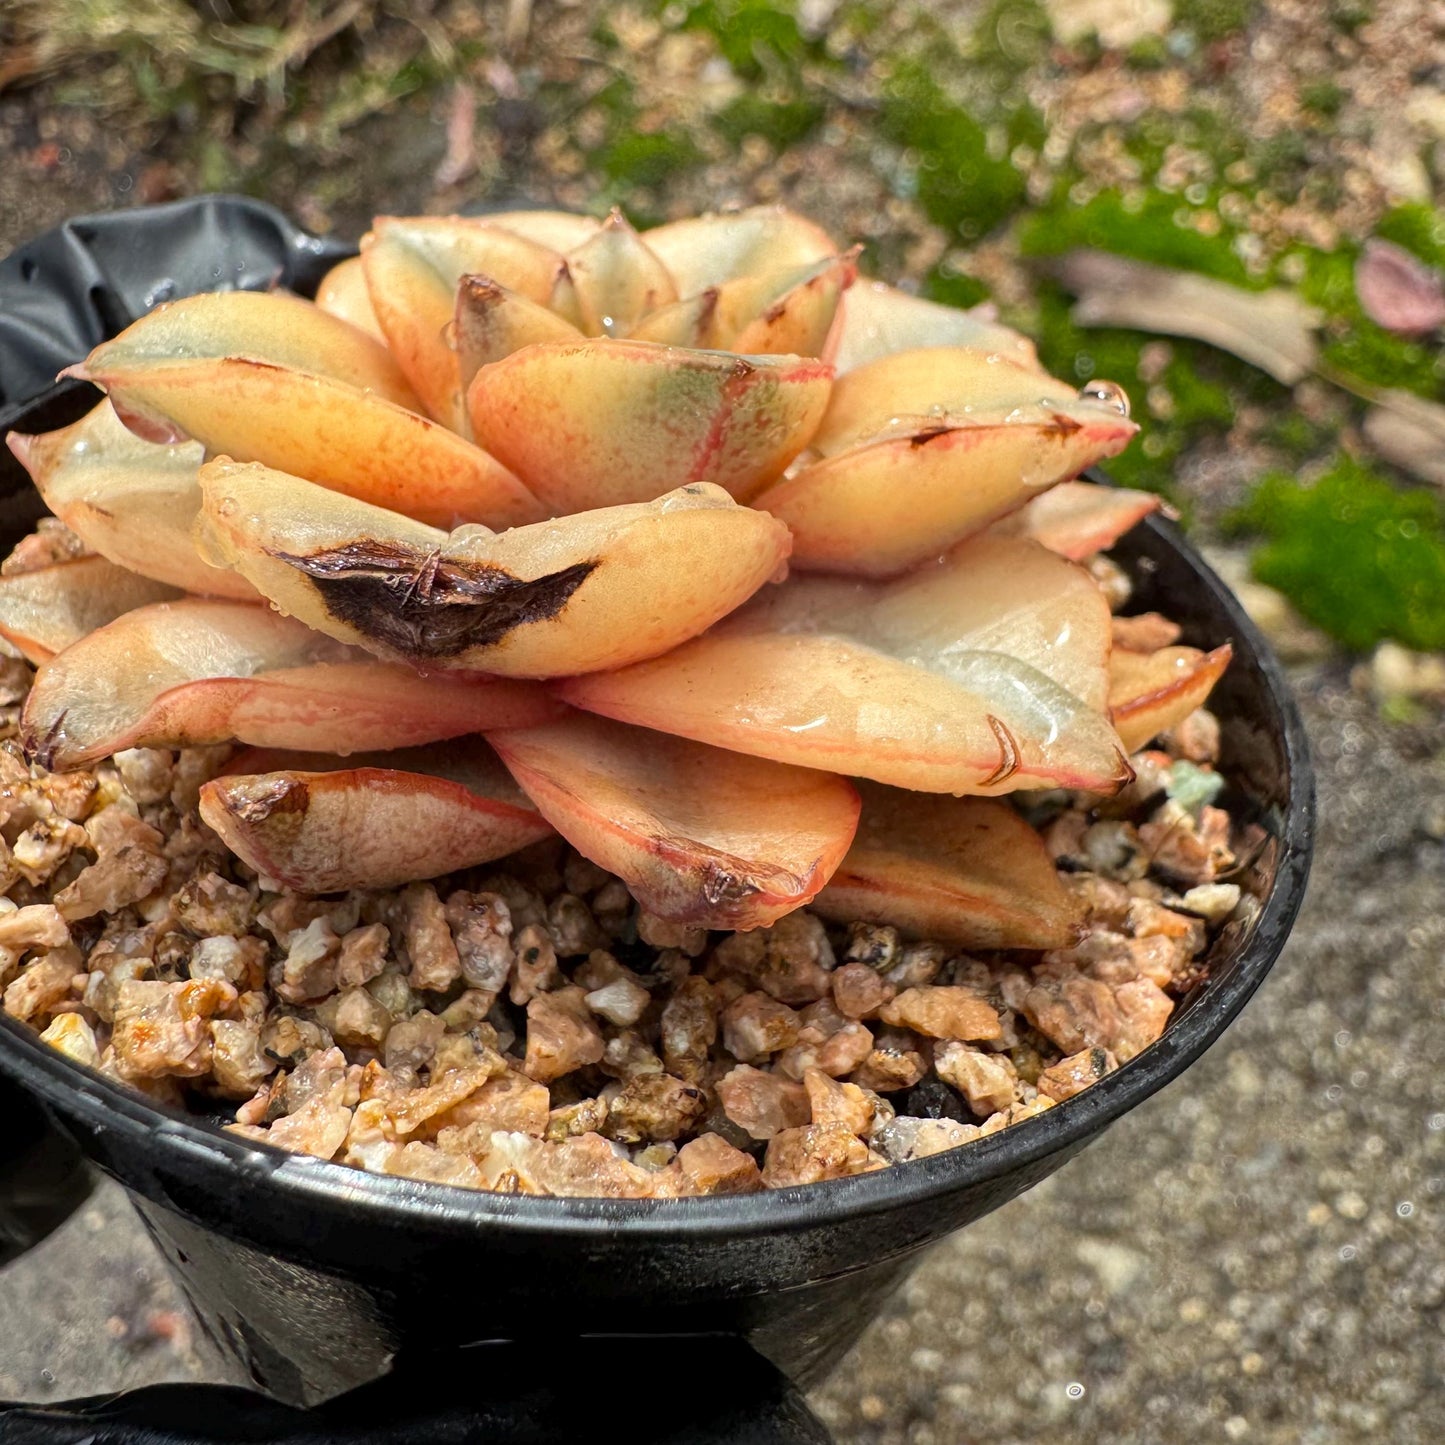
{"type": "Point", "coordinates": [548, 447]}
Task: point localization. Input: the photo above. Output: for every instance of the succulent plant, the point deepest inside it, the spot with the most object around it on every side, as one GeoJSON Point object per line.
{"type": "Point", "coordinates": [526, 490]}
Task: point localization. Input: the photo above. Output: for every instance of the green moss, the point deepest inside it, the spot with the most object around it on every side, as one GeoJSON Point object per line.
{"type": "Point", "coordinates": [1213, 19]}
{"type": "Point", "coordinates": [953, 288]}
{"type": "Point", "coordinates": [960, 183]}
{"type": "Point", "coordinates": [783, 122]}
{"type": "Point", "coordinates": [1145, 226]}
{"type": "Point", "coordinates": [1149, 53]}
{"type": "Point", "coordinates": [1009, 37]}
{"type": "Point", "coordinates": [1323, 97]}
{"type": "Point", "coordinates": [1293, 433]}
{"type": "Point", "coordinates": [1358, 557]}
{"type": "Point", "coordinates": [637, 159]}
{"type": "Point", "coordinates": [755, 37]}
{"type": "Point", "coordinates": [1417, 227]}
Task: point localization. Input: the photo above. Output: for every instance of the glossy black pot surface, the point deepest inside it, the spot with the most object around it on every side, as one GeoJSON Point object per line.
{"type": "Point", "coordinates": [317, 1274]}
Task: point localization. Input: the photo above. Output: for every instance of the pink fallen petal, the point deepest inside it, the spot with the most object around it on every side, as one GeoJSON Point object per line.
{"type": "Point", "coordinates": [1399, 291]}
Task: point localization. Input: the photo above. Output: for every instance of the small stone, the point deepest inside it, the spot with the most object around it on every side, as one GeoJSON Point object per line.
{"type": "Point", "coordinates": [620, 1002]}
{"type": "Point", "coordinates": [813, 1153]}
{"type": "Point", "coordinates": [309, 969]}
{"type": "Point", "coordinates": [209, 905]}
{"type": "Point", "coordinates": [363, 955]}
{"type": "Point", "coordinates": [238, 1064]}
{"type": "Point", "coordinates": [654, 1107]}
{"type": "Point", "coordinates": [988, 1081]}
{"type": "Point", "coordinates": [425, 940]}
{"type": "Point", "coordinates": [1074, 1074]}
{"type": "Point", "coordinates": [587, 1116]}
{"type": "Point", "coordinates": [797, 959]}
{"type": "Point", "coordinates": [536, 970]}
{"type": "Point", "coordinates": [906, 1137]}
{"type": "Point", "coordinates": [835, 1103]}
{"type": "Point", "coordinates": [762, 1103]}
{"type": "Point", "coordinates": [890, 1067]}
{"type": "Point", "coordinates": [943, 1012]}
{"type": "Point", "coordinates": [561, 1035]}
{"type": "Point", "coordinates": [355, 1019]}
{"type": "Point", "coordinates": [412, 1043]}
{"type": "Point", "coordinates": [574, 931]}
{"type": "Point", "coordinates": [711, 1165]}
{"type": "Point", "coordinates": [756, 1025]}
{"type": "Point", "coordinates": [859, 991]}
{"type": "Point", "coordinates": [72, 1036]}
{"type": "Point", "coordinates": [688, 1028]}
{"type": "Point", "coordinates": [874, 945]}
{"type": "Point", "coordinates": [1213, 902]}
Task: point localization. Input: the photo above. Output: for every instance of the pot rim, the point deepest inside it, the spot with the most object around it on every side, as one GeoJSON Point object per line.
{"type": "Point", "coordinates": [98, 1104]}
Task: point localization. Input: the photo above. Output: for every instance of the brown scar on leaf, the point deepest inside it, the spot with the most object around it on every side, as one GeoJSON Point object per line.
{"type": "Point", "coordinates": [708, 308]}
{"type": "Point", "coordinates": [719, 885]}
{"type": "Point", "coordinates": [1008, 748]}
{"type": "Point", "coordinates": [280, 795]}
{"type": "Point", "coordinates": [423, 605]}
{"type": "Point", "coordinates": [931, 434]}
{"type": "Point", "coordinates": [1063, 426]}
{"type": "Point", "coordinates": [41, 749]}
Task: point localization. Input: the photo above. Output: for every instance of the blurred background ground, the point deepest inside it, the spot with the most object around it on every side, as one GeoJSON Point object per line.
{"type": "Point", "coordinates": [1257, 1254]}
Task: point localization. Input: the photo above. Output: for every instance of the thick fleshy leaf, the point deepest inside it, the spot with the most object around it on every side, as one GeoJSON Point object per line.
{"type": "Point", "coordinates": [699, 836]}
{"type": "Point", "coordinates": [44, 611]}
{"type": "Point", "coordinates": [134, 502]}
{"type": "Point", "coordinates": [264, 326]}
{"type": "Point", "coordinates": [923, 449]}
{"type": "Point", "coordinates": [965, 871]}
{"type": "Point", "coordinates": [396, 818]}
{"type": "Point", "coordinates": [776, 313]}
{"type": "Point", "coordinates": [982, 673]}
{"type": "Point", "coordinates": [696, 321]}
{"type": "Point", "coordinates": [705, 251]}
{"type": "Point", "coordinates": [413, 266]}
{"type": "Point", "coordinates": [314, 426]}
{"type": "Point", "coordinates": [190, 672]}
{"type": "Point", "coordinates": [801, 320]}
{"type": "Point", "coordinates": [879, 321]}
{"type": "Point", "coordinates": [493, 322]}
{"type": "Point", "coordinates": [600, 589]}
{"type": "Point", "coordinates": [343, 293]}
{"type": "Point", "coordinates": [1077, 519]}
{"type": "Point", "coordinates": [1152, 691]}
{"type": "Point", "coordinates": [617, 279]}
{"type": "Point", "coordinates": [603, 422]}
{"type": "Point", "coordinates": [560, 231]}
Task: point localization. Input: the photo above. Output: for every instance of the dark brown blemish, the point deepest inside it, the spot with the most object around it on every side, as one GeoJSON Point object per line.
{"type": "Point", "coordinates": [422, 605]}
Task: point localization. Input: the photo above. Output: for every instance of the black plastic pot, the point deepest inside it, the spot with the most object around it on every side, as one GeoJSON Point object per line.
{"type": "Point", "coordinates": [316, 1275]}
